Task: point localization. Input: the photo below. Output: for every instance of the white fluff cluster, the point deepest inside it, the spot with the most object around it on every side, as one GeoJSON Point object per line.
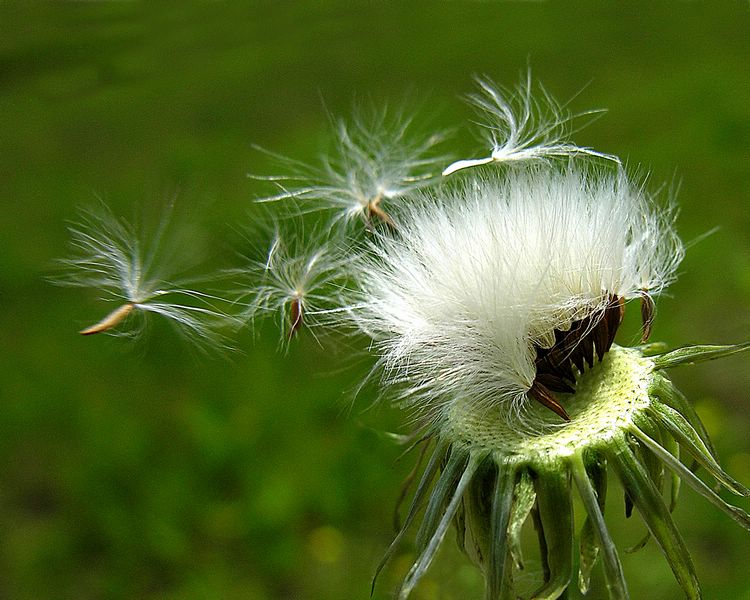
{"type": "Point", "coordinates": [131, 268]}
{"type": "Point", "coordinates": [480, 274]}
{"type": "Point", "coordinates": [377, 158]}
{"type": "Point", "coordinates": [520, 126]}
{"type": "Point", "coordinates": [300, 283]}
{"type": "Point", "coordinates": [459, 284]}
{"type": "Point", "coordinates": [470, 279]}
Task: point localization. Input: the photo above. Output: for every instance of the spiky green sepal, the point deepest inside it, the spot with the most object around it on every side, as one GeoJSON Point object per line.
{"type": "Point", "coordinates": [489, 476]}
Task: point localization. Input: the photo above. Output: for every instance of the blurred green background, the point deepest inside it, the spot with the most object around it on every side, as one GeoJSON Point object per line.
{"type": "Point", "coordinates": [150, 472]}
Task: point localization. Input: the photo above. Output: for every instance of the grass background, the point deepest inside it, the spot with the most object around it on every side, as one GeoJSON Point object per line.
{"type": "Point", "coordinates": [147, 472]}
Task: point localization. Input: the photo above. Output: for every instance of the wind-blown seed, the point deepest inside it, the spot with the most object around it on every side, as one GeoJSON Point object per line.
{"type": "Point", "coordinates": [296, 311]}
{"type": "Point", "coordinates": [124, 264]}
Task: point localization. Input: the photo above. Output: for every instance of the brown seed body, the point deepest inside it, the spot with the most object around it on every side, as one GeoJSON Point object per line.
{"type": "Point", "coordinates": [374, 210]}
{"type": "Point", "coordinates": [296, 311]}
{"type": "Point", "coordinates": [113, 319]}
{"type": "Point", "coordinates": [647, 315]}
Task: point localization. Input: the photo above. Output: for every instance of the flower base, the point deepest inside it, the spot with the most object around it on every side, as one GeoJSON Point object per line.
{"type": "Point", "coordinates": [488, 475]}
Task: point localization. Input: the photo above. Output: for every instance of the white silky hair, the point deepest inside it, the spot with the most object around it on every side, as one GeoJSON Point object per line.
{"type": "Point", "coordinates": [480, 274]}
{"type": "Point", "coordinates": [520, 125]}
{"type": "Point", "coordinates": [293, 271]}
{"type": "Point", "coordinates": [377, 155]}
{"type": "Point", "coordinates": [129, 265]}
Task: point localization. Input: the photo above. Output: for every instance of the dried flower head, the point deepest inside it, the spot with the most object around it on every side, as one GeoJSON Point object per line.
{"type": "Point", "coordinates": [509, 288]}
{"type": "Point", "coordinates": [502, 288]}
{"type": "Point", "coordinates": [130, 268]}
{"type": "Point", "coordinates": [375, 162]}
{"type": "Point", "coordinates": [488, 477]}
{"type": "Point", "coordinates": [492, 309]}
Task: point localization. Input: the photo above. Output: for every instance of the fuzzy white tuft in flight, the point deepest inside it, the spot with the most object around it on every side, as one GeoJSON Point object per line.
{"type": "Point", "coordinates": [110, 255]}
{"type": "Point", "coordinates": [520, 127]}
{"type": "Point", "coordinates": [376, 161]}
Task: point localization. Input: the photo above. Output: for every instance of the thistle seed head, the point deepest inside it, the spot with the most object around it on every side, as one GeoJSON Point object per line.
{"type": "Point", "coordinates": [491, 303]}
{"type": "Point", "coordinates": [506, 286]}
{"type": "Point", "coordinates": [489, 477]}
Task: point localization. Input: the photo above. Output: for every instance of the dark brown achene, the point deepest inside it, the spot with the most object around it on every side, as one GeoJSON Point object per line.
{"type": "Point", "coordinates": [586, 340]}
{"type": "Point", "coordinates": [296, 316]}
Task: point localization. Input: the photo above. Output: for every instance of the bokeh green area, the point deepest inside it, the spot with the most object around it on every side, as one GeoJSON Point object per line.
{"type": "Point", "coordinates": [150, 471]}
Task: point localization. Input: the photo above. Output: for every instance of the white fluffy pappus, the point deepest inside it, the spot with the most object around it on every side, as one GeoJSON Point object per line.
{"type": "Point", "coordinates": [134, 269]}
{"type": "Point", "coordinates": [519, 126]}
{"type": "Point", "coordinates": [481, 274]}
{"type": "Point", "coordinates": [377, 158]}
{"type": "Point", "coordinates": [299, 281]}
